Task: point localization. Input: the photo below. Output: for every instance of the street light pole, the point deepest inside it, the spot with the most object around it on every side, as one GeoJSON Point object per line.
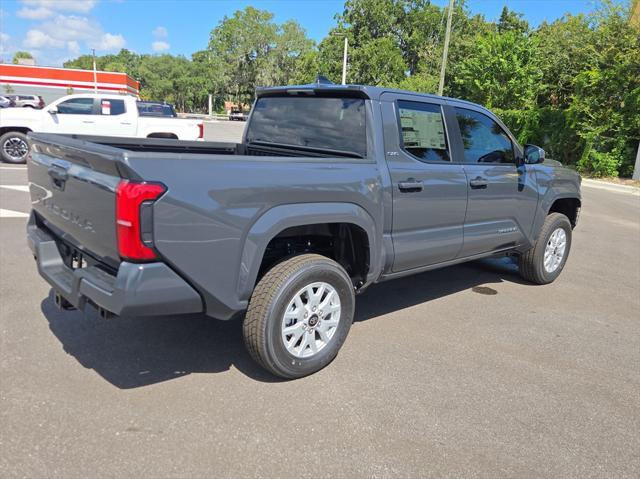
{"type": "Point", "coordinates": [445, 52]}
{"type": "Point", "coordinates": [344, 54]}
{"type": "Point", "coordinates": [344, 60]}
{"type": "Point", "coordinates": [95, 75]}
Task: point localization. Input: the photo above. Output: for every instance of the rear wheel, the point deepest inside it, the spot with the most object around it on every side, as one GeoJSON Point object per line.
{"type": "Point", "coordinates": [14, 147]}
{"type": "Point", "coordinates": [299, 316]}
{"type": "Point", "coordinates": [543, 263]}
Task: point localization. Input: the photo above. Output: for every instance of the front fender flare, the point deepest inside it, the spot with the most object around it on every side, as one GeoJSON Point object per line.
{"type": "Point", "coordinates": [281, 217]}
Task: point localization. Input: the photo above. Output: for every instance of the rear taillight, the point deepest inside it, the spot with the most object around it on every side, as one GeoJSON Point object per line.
{"type": "Point", "coordinates": [200, 130]}
{"type": "Point", "coordinates": [133, 238]}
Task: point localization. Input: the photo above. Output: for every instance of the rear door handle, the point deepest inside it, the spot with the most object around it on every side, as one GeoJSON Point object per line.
{"type": "Point", "coordinates": [478, 183]}
{"type": "Point", "coordinates": [410, 186]}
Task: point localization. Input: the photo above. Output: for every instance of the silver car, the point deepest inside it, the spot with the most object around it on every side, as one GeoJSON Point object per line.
{"type": "Point", "coordinates": [29, 101]}
{"type": "Point", "coordinates": [5, 102]}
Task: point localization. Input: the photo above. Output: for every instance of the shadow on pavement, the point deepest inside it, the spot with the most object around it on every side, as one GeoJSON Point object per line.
{"type": "Point", "coordinates": [386, 297]}
{"type": "Point", "coordinates": [136, 352]}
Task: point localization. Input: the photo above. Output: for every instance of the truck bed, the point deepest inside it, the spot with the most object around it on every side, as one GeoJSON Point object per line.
{"type": "Point", "coordinates": [219, 198]}
{"type": "Point", "coordinates": [158, 145]}
{"type": "Point", "coordinates": [168, 145]}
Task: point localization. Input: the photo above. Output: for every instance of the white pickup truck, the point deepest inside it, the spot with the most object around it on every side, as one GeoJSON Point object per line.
{"type": "Point", "coordinates": [88, 114]}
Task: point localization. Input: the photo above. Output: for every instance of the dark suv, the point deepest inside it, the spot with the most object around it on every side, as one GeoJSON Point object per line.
{"type": "Point", "coordinates": [156, 108]}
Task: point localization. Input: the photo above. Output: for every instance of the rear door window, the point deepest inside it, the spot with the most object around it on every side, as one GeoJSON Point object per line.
{"type": "Point", "coordinates": [112, 107]}
{"type": "Point", "coordinates": [316, 122]}
{"type": "Point", "coordinates": [422, 131]}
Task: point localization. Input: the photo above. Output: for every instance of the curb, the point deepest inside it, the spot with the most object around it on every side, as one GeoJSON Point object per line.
{"type": "Point", "coordinates": [605, 185]}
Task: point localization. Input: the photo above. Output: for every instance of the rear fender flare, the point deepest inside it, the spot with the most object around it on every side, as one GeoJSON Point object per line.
{"type": "Point", "coordinates": [281, 217]}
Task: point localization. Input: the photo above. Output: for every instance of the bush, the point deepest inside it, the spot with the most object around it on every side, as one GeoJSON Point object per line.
{"type": "Point", "coordinates": [599, 164]}
{"type": "Point", "coordinates": [549, 128]}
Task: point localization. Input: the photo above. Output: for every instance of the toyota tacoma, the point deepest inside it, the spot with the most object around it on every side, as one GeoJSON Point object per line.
{"type": "Point", "coordinates": [332, 188]}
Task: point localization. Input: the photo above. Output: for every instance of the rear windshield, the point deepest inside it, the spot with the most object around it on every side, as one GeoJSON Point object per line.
{"type": "Point", "coordinates": [318, 122]}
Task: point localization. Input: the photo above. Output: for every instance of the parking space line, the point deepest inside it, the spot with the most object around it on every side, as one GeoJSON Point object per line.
{"type": "Point", "coordinates": [12, 214]}
{"type": "Point", "coordinates": [24, 168]}
{"type": "Point", "coordinates": [24, 188]}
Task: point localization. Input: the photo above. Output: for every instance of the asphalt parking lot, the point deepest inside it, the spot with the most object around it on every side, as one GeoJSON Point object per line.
{"type": "Point", "coordinates": [462, 372]}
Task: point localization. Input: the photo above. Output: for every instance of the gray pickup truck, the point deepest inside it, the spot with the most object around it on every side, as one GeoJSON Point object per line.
{"type": "Point", "coordinates": [333, 188]}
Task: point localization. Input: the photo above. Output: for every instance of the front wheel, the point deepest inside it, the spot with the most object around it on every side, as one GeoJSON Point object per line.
{"type": "Point", "coordinates": [14, 147]}
{"type": "Point", "coordinates": [543, 263]}
{"type": "Point", "coordinates": [299, 316]}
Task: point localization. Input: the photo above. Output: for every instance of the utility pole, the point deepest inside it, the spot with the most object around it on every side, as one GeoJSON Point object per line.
{"type": "Point", "coordinates": [210, 105]}
{"type": "Point", "coordinates": [636, 169]}
{"type": "Point", "coordinates": [344, 60]}
{"type": "Point", "coordinates": [445, 52]}
{"type": "Point", "coordinates": [95, 75]}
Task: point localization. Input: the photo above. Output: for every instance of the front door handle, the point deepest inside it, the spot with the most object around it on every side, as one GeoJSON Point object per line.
{"type": "Point", "coordinates": [478, 183]}
{"type": "Point", "coordinates": [410, 186]}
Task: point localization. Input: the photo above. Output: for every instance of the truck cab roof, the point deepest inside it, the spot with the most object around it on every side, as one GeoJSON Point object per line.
{"type": "Point", "coordinates": [361, 91]}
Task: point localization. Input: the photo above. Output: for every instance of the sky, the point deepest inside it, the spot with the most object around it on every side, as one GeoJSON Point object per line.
{"type": "Point", "coordinates": [57, 30]}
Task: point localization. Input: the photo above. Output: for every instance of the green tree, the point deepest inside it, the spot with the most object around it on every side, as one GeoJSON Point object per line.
{"type": "Point", "coordinates": [500, 71]}
{"type": "Point", "coordinates": [279, 66]}
{"type": "Point", "coordinates": [378, 62]}
{"type": "Point", "coordinates": [20, 55]}
{"type": "Point", "coordinates": [389, 40]}
{"type": "Point", "coordinates": [564, 49]}
{"type": "Point", "coordinates": [511, 21]}
{"type": "Point", "coordinates": [606, 99]}
{"type": "Point", "coordinates": [327, 59]}
{"type": "Point", "coordinates": [256, 51]}
{"type": "Point", "coordinates": [242, 42]}
{"type": "Point", "coordinates": [571, 86]}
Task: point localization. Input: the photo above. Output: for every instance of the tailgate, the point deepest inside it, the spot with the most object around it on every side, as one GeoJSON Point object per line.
{"type": "Point", "coordinates": [72, 185]}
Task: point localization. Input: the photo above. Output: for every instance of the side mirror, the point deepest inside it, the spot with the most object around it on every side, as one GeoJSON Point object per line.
{"type": "Point", "coordinates": [533, 154]}
{"type": "Point", "coordinates": [53, 110]}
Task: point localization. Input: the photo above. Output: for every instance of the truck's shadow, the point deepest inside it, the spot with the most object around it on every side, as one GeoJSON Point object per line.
{"type": "Point", "coordinates": [131, 353]}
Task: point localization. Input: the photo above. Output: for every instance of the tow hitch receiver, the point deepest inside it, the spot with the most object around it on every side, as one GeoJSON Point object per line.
{"type": "Point", "coordinates": [62, 303]}
{"type": "Point", "coordinates": [104, 314]}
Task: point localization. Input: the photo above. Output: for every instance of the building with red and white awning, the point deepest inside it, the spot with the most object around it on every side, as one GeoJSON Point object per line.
{"type": "Point", "coordinates": [52, 83]}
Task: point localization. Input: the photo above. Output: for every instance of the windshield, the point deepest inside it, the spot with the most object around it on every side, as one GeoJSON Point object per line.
{"type": "Point", "coordinates": [317, 122]}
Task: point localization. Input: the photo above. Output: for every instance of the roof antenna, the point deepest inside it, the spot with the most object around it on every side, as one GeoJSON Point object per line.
{"type": "Point", "coordinates": [323, 80]}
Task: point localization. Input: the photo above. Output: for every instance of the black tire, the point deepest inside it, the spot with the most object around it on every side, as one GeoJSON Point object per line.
{"type": "Point", "coordinates": [262, 326]}
{"type": "Point", "coordinates": [532, 262]}
{"type": "Point", "coordinates": [9, 136]}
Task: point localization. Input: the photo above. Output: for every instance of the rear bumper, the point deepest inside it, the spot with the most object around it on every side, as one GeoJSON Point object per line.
{"type": "Point", "coordinates": [149, 289]}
